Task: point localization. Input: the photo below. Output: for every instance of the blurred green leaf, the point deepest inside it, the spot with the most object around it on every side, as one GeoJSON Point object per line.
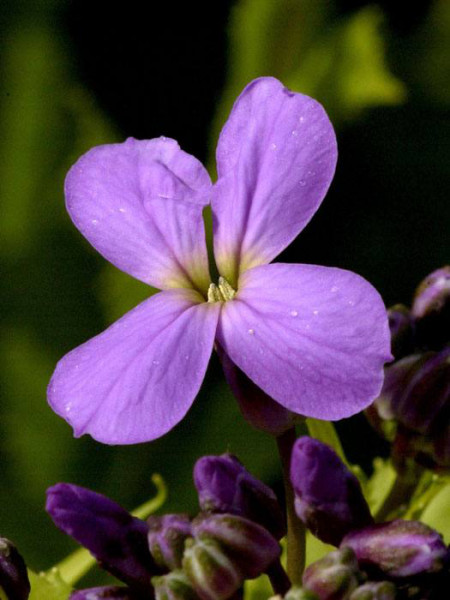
{"type": "Point", "coordinates": [437, 513]}
{"type": "Point", "coordinates": [48, 586]}
{"type": "Point", "coordinates": [339, 61]}
{"type": "Point", "coordinates": [378, 486]}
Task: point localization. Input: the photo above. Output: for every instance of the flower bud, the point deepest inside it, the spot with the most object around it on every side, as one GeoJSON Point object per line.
{"type": "Point", "coordinates": [328, 497]}
{"type": "Point", "coordinates": [298, 593]}
{"type": "Point", "coordinates": [173, 586]}
{"type": "Point", "coordinates": [109, 592]}
{"type": "Point", "coordinates": [114, 537]}
{"type": "Point", "coordinates": [212, 573]}
{"type": "Point", "coordinates": [418, 405]}
{"type": "Point", "coordinates": [333, 577]}
{"type": "Point", "coordinates": [224, 485]}
{"type": "Point", "coordinates": [246, 543]}
{"type": "Point", "coordinates": [14, 582]}
{"type": "Point", "coordinates": [431, 309]}
{"type": "Point", "coordinates": [379, 590]}
{"type": "Point", "coordinates": [166, 538]}
{"type": "Point", "coordinates": [398, 549]}
{"type": "Point", "coordinates": [401, 325]}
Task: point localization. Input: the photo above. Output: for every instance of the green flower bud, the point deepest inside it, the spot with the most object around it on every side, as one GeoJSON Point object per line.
{"type": "Point", "coordinates": [213, 575]}
{"type": "Point", "coordinates": [380, 590]}
{"type": "Point", "coordinates": [333, 577]}
{"type": "Point", "coordinates": [298, 593]}
{"type": "Point", "coordinates": [173, 586]}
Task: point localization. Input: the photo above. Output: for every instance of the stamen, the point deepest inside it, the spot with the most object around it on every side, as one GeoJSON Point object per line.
{"type": "Point", "coordinates": [228, 292]}
{"type": "Point", "coordinates": [221, 292]}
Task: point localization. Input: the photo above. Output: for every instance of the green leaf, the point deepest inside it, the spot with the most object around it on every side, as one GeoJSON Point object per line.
{"type": "Point", "coordinates": [48, 586]}
{"type": "Point", "coordinates": [379, 485]}
{"type": "Point", "coordinates": [436, 514]}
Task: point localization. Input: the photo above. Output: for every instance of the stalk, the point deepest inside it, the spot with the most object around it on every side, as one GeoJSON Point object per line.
{"type": "Point", "coordinates": [295, 529]}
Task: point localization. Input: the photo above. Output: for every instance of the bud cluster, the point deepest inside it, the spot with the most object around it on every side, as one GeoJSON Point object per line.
{"type": "Point", "coordinates": [413, 409]}
{"type": "Point", "coordinates": [233, 538]}
{"type": "Point", "coordinates": [397, 559]}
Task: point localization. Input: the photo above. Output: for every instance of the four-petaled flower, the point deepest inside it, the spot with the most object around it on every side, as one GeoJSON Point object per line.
{"type": "Point", "coordinates": [313, 338]}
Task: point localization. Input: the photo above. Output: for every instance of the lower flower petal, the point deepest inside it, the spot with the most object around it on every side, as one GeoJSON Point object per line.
{"type": "Point", "coordinates": [136, 380]}
{"type": "Point", "coordinates": [314, 338]}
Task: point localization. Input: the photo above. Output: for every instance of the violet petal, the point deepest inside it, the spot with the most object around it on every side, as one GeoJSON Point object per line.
{"type": "Point", "coordinates": [325, 330]}
{"type": "Point", "coordinates": [136, 380]}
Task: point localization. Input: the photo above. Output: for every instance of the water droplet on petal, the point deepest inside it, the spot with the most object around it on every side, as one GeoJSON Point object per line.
{"type": "Point", "coordinates": [334, 288]}
{"type": "Point", "coordinates": [122, 210]}
{"type": "Point", "coordinates": [251, 331]}
{"type": "Point", "coordinates": [273, 146]}
{"type": "Point", "coordinates": [302, 183]}
{"type": "Point", "coordinates": [315, 312]}
{"type": "Point", "coordinates": [68, 407]}
{"type": "Point", "coordinates": [294, 133]}
{"type": "Point", "coordinates": [155, 362]}
{"type": "Point", "coordinates": [294, 313]}
{"type": "Point", "coordinates": [351, 302]}
{"type": "Point", "coordinates": [302, 119]}
{"type": "Point", "coordinates": [94, 221]}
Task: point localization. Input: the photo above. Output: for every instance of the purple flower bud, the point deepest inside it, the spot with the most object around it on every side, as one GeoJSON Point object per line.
{"type": "Point", "coordinates": [246, 543]}
{"type": "Point", "coordinates": [398, 549]}
{"type": "Point", "coordinates": [379, 590]}
{"type": "Point", "coordinates": [334, 577]}
{"type": "Point", "coordinates": [298, 593]}
{"type": "Point", "coordinates": [257, 408]}
{"type": "Point", "coordinates": [174, 586]}
{"type": "Point", "coordinates": [401, 325]}
{"type": "Point", "coordinates": [212, 573]}
{"type": "Point", "coordinates": [166, 538]}
{"type": "Point", "coordinates": [110, 592]}
{"type": "Point", "coordinates": [419, 403]}
{"type": "Point", "coordinates": [431, 309]}
{"type": "Point", "coordinates": [115, 538]}
{"type": "Point", "coordinates": [224, 485]}
{"type": "Point", "coordinates": [14, 583]}
{"type": "Point", "coordinates": [328, 497]}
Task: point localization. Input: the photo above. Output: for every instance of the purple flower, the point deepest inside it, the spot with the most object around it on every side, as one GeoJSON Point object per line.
{"type": "Point", "coordinates": [114, 537]}
{"type": "Point", "coordinates": [328, 497]}
{"type": "Point", "coordinates": [313, 338]}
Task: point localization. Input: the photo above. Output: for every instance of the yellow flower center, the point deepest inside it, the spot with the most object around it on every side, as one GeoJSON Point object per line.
{"type": "Point", "coordinates": [222, 292]}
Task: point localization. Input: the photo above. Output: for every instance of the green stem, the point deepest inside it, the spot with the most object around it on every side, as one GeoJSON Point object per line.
{"type": "Point", "coordinates": [296, 534]}
{"type": "Point", "coordinates": [399, 494]}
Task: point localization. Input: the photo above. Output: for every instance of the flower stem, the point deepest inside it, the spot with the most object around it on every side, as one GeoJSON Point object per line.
{"type": "Point", "coordinates": [296, 529]}
{"type": "Point", "coordinates": [399, 494]}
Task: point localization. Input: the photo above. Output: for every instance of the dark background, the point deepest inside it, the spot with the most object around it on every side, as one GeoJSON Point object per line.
{"type": "Point", "coordinates": [76, 74]}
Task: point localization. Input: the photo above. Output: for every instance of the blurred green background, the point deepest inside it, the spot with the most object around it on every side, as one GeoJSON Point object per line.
{"type": "Point", "coordinates": [76, 74]}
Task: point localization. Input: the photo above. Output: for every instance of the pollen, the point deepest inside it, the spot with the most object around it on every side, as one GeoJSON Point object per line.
{"type": "Point", "coordinates": [222, 292]}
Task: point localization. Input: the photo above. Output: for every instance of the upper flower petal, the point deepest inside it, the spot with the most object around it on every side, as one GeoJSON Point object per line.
{"type": "Point", "coordinates": [140, 205]}
{"type": "Point", "coordinates": [313, 338]}
{"type": "Point", "coordinates": [276, 158]}
{"type": "Point", "coordinates": [136, 380]}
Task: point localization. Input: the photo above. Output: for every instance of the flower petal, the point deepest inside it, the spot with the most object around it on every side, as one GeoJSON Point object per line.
{"type": "Point", "coordinates": [140, 205]}
{"type": "Point", "coordinates": [276, 158]}
{"type": "Point", "coordinates": [313, 338]}
{"type": "Point", "coordinates": [136, 380]}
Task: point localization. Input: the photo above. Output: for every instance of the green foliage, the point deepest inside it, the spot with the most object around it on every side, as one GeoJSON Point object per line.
{"type": "Point", "coordinates": [48, 586]}
{"type": "Point", "coordinates": [340, 60]}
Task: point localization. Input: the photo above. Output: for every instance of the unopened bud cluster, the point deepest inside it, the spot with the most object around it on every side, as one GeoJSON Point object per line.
{"type": "Point", "coordinates": [413, 409]}
{"type": "Point", "coordinates": [393, 560]}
